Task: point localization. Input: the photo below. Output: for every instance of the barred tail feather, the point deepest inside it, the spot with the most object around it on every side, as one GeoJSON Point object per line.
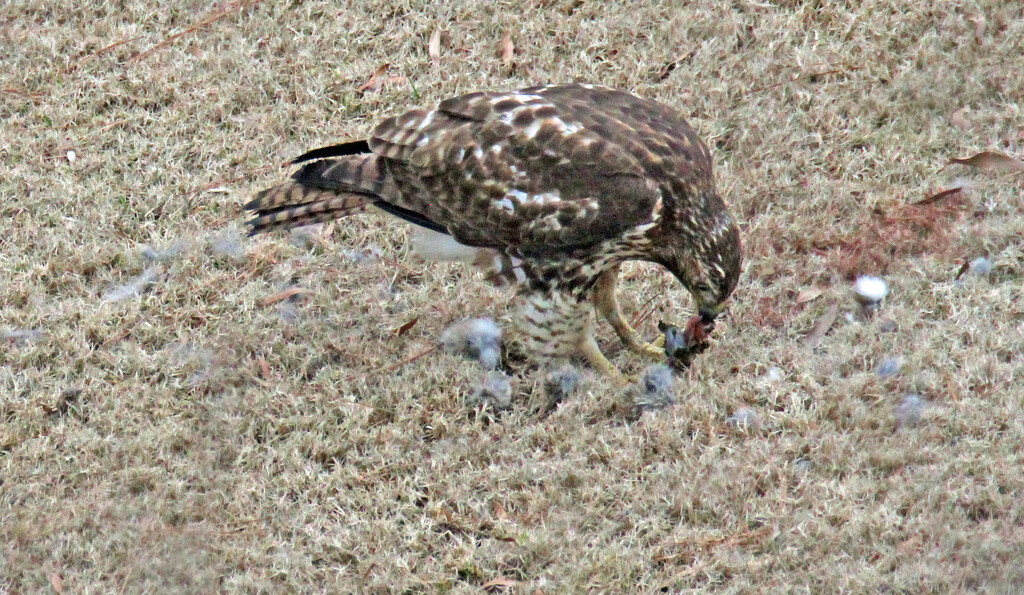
{"type": "Point", "coordinates": [319, 191]}
{"type": "Point", "coordinates": [329, 189]}
{"type": "Point", "coordinates": [292, 204]}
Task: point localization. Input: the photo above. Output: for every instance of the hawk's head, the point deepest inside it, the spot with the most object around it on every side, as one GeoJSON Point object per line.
{"type": "Point", "coordinates": [704, 253]}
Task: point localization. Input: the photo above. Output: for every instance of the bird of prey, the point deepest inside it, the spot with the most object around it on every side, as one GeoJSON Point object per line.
{"type": "Point", "coordinates": [549, 188]}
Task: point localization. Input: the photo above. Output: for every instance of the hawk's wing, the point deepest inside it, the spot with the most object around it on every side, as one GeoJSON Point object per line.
{"type": "Point", "coordinates": [542, 170]}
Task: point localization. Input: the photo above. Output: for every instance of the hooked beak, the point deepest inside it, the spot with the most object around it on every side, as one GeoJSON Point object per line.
{"type": "Point", "coordinates": [708, 314]}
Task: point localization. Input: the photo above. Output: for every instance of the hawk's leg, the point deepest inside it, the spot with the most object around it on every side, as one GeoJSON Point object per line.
{"type": "Point", "coordinates": [559, 325]}
{"type": "Point", "coordinates": [608, 305]}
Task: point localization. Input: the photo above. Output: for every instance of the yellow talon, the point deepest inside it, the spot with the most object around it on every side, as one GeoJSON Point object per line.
{"type": "Point", "coordinates": [608, 305]}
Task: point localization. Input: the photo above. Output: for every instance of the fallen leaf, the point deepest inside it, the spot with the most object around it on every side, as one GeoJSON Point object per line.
{"type": "Point", "coordinates": [501, 581]}
{"type": "Point", "coordinates": [57, 583]}
{"type": "Point", "coordinates": [940, 196]}
{"type": "Point", "coordinates": [283, 295]}
{"type": "Point", "coordinates": [808, 295]}
{"type": "Point", "coordinates": [507, 50]}
{"type": "Point", "coordinates": [434, 47]}
{"type": "Point", "coordinates": [959, 119]}
{"type": "Point", "coordinates": [375, 80]}
{"type": "Point", "coordinates": [499, 511]}
{"type": "Point", "coordinates": [405, 327]}
{"type": "Point", "coordinates": [991, 160]}
{"type": "Point", "coordinates": [979, 29]}
{"type": "Point", "coordinates": [966, 266]}
{"type": "Point", "coordinates": [823, 325]}
{"type": "Point", "coordinates": [264, 367]}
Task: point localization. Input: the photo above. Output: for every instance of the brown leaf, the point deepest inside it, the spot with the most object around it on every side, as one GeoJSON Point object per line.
{"type": "Point", "coordinates": [57, 583]}
{"type": "Point", "coordinates": [264, 367]}
{"type": "Point", "coordinates": [405, 327]}
{"type": "Point", "coordinates": [501, 581]}
{"type": "Point", "coordinates": [808, 295]}
{"type": "Point", "coordinates": [507, 50]}
{"type": "Point", "coordinates": [992, 161]}
{"type": "Point", "coordinates": [823, 325]}
{"type": "Point", "coordinates": [375, 80]}
{"type": "Point", "coordinates": [979, 29]}
{"type": "Point", "coordinates": [434, 47]}
{"type": "Point", "coordinates": [966, 266]}
{"type": "Point", "coordinates": [283, 295]}
{"type": "Point", "coordinates": [499, 511]}
{"type": "Point", "coordinates": [940, 196]}
{"type": "Point", "coordinates": [959, 119]}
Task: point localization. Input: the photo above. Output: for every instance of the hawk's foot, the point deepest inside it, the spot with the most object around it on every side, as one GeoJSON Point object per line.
{"type": "Point", "coordinates": [608, 305]}
{"type": "Point", "coordinates": [597, 360]}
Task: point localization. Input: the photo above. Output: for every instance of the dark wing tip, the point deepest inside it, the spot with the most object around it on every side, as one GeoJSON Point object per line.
{"type": "Point", "coordinates": [350, 148]}
{"type": "Point", "coordinates": [253, 204]}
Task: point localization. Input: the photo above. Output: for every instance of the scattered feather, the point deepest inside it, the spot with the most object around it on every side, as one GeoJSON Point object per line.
{"type": "Point", "coordinates": [964, 184]}
{"type": "Point", "coordinates": [869, 291]}
{"type": "Point", "coordinates": [993, 161]}
{"type": "Point", "coordinates": [889, 366]}
{"type": "Point", "coordinates": [980, 266]}
{"type": "Point", "coordinates": [371, 254]}
{"type": "Point", "coordinates": [172, 252]}
{"type": "Point", "coordinates": [744, 419]}
{"type": "Point", "coordinates": [21, 336]}
{"type": "Point", "coordinates": [654, 389]}
{"type": "Point", "coordinates": [434, 47]}
{"type": "Point", "coordinates": [477, 338]}
{"type": "Point", "coordinates": [134, 287]}
{"type": "Point", "coordinates": [560, 383]}
{"type": "Point", "coordinates": [227, 243]}
{"type": "Point", "coordinates": [507, 51]}
{"type": "Point", "coordinates": [772, 376]}
{"type": "Point", "coordinates": [72, 156]}
{"type": "Point", "coordinates": [304, 236]}
{"type": "Point", "coordinates": [494, 393]}
{"type": "Point", "coordinates": [288, 311]}
{"type": "Point", "coordinates": [910, 410]}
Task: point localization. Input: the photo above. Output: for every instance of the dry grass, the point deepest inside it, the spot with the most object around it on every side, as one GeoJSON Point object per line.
{"type": "Point", "coordinates": [190, 438]}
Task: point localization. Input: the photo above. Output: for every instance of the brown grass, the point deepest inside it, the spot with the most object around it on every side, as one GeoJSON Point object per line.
{"type": "Point", "coordinates": [222, 431]}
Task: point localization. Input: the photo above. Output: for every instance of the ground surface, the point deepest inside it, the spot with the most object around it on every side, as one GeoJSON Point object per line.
{"type": "Point", "coordinates": [166, 429]}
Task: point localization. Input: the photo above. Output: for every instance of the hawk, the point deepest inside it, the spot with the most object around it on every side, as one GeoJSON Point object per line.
{"type": "Point", "coordinates": [549, 188]}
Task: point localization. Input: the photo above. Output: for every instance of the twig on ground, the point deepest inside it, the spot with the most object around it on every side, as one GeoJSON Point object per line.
{"type": "Point", "coordinates": [402, 363]}
{"type": "Point", "coordinates": [233, 7]}
{"type": "Point", "coordinates": [102, 50]}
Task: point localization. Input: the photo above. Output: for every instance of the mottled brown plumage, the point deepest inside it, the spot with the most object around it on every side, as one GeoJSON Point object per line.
{"type": "Point", "coordinates": [554, 186]}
